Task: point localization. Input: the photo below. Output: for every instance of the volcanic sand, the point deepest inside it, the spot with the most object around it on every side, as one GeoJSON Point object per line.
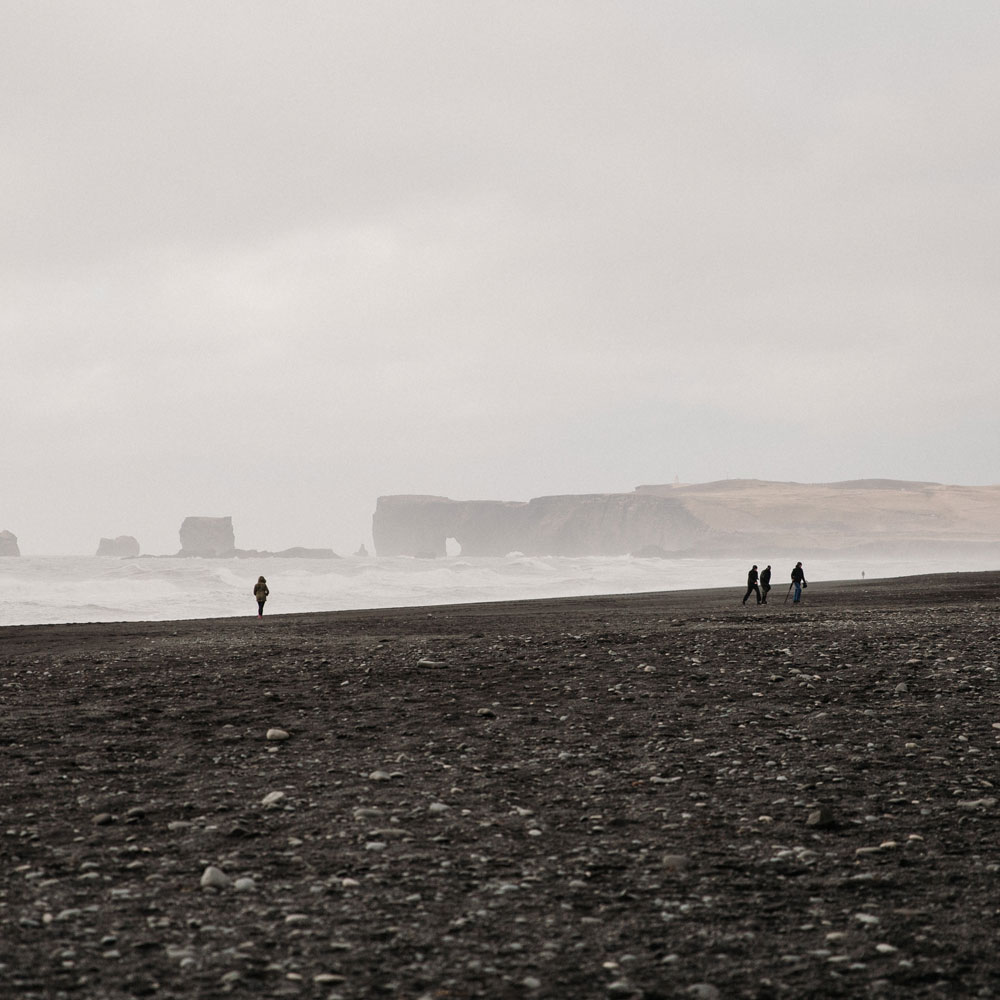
{"type": "Point", "coordinates": [664, 795]}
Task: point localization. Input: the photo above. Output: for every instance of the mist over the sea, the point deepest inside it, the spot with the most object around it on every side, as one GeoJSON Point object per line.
{"type": "Point", "coordinates": [51, 590]}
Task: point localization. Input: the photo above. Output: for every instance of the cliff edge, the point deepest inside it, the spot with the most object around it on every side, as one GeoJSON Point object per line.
{"type": "Point", "coordinates": [726, 518]}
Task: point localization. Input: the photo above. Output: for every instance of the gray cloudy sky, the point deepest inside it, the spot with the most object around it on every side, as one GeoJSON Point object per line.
{"type": "Point", "coordinates": [276, 259]}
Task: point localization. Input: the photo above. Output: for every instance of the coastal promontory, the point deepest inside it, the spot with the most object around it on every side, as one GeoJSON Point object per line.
{"type": "Point", "coordinates": [726, 518]}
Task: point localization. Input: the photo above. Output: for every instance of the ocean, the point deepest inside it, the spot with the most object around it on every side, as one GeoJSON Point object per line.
{"type": "Point", "coordinates": [39, 590]}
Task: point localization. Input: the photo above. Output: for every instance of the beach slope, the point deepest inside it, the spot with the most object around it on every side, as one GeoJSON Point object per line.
{"type": "Point", "coordinates": [651, 796]}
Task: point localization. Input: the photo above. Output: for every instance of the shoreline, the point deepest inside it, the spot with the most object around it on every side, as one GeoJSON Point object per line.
{"type": "Point", "coordinates": [822, 591]}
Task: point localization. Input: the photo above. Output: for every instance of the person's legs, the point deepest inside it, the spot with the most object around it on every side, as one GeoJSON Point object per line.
{"type": "Point", "coordinates": [798, 592]}
{"type": "Point", "coordinates": [260, 609]}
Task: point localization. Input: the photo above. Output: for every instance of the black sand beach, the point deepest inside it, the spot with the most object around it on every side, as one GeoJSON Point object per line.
{"type": "Point", "coordinates": [653, 796]}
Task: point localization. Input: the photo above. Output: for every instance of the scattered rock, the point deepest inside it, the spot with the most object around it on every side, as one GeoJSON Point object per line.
{"type": "Point", "coordinates": [214, 878]}
{"type": "Point", "coordinates": [821, 818]}
{"type": "Point", "coordinates": [703, 991]}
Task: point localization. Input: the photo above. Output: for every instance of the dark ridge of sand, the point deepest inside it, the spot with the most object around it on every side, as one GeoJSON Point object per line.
{"type": "Point", "coordinates": [649, 796]}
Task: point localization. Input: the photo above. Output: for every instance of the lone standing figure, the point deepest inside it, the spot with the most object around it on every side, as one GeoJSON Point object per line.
{"type": "Point", "coordinates": [765, 583]}
{"type": "Point", "coordinates": [260, 592]}
{"type": "Point", "coordinates": [752, 587]}
{"type": "Point", "coordinates": [798, 581]}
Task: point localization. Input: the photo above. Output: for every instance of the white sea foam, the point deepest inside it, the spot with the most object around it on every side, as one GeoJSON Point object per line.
{"type": "Point", "coordinates": [48, 590]}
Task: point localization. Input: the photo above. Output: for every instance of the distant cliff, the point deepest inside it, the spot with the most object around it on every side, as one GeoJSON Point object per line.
{"type": "Point", "coordinates": [749, 518]}
{"type": "Point", "coordinates": [8, 544]}
{"type": "Point", "coordinates": [594, 524]}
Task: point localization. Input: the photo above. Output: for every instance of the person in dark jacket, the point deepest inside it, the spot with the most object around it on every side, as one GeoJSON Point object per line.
{"type": "Point", "coordinates": [765, 583]}
{"type": "Point", "coordinates": [752, 587]}
{"type": "Point", "coordinates": [260, 592]}
{"type": "Point", "coordinates": [798, 581]}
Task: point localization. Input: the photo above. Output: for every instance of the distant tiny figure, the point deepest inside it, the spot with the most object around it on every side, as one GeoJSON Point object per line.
{"type": "Point", "coordinates": [798, 582]}
{"type": "Point", "coordinates": [752, 587]}
{"type": "Point", "coordinates": [862, 574]}
{"type": "Point", "coordinates": [260, 592]}
{"type": "Point", "coordinates": [765, 583]}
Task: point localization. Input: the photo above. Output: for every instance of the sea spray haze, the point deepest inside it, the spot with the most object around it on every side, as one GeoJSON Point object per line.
{"type": "Point", "coordinates": [47, 590]}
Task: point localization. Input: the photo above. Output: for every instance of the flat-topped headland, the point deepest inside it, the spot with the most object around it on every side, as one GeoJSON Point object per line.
{"type": "Point", "coordinates": [640, 796]}
{"type": "Point", "coordinates": [730, 517]}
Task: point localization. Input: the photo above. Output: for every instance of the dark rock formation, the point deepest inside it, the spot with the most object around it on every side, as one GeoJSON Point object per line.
{"type": "Point", "coordinates": [362, 551]}
{"type": "Point", "coordinates": [596, 524]}
{"type": "Point", "coordinates": [207, 536]}
{"type": "Point", "coordinates": [8, 544]}
{"type": "Point", "coordinates": [122, 547]}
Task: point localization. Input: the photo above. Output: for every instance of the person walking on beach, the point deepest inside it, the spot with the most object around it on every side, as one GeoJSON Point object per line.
{"type": "Point", "coordinates": [798, 582]}
{"type": "Point", "coordinates": [260, 592]}
{"type": "Point", "coordinates": [765, 583]}
{"type": "Point", "coordinates": [752, 587]}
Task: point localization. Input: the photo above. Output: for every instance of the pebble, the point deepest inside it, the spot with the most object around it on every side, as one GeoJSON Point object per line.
{"type": "Point", "coordinates": [214, 878]}
{"type": "Point", "coordinates": [103, 819]}
{"type": "Point", "coordinates": [272, 798]}
{"type": "Point", "coordinates": [821, 818]}
{"type": "Point", "coordinates": [486, 713]}
{"type": "Point", "coordinates": [703, 991]}
{"type": "Point", "coordinates": [426, 662]}
{"type": "Point", "coordinates": [438, 807]}
{"type": "Point", "coordinates": [620, 988]}
{"type": "Point", "coordinates": [244, 884]}
{"type": "Point", "coordinates": [380, 776]}
{"type": "Point", "coordinates": [531, 983]}
{"type": "Point", "coordinates": [276, 735]}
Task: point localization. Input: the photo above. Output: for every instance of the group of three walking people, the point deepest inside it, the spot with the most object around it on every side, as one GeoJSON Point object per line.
{"type": "Point", "coordinates": [760, 584]}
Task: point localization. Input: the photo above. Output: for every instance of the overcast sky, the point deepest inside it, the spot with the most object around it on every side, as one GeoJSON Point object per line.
{"type": "Point", "coordinates": [276, 259]}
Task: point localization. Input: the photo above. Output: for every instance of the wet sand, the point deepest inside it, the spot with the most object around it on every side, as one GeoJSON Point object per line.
{"type": "Point", "coordinates": [651, 796]}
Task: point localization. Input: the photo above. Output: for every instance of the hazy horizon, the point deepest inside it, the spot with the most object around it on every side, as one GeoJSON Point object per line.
{"type": "Point", "coordinates": [273, 262]}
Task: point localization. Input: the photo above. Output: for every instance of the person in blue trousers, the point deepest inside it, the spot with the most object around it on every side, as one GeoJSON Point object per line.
{"type": "Point", "coordinates": [798, 581]}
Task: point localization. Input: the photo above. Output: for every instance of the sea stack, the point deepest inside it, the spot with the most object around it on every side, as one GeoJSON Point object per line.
{"type": "Point", "coordinates": [207, 536]}
{"type": "Point", "coordinates": [122, 547]}
{"type": "Point", "coordinates": [8, 544]}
